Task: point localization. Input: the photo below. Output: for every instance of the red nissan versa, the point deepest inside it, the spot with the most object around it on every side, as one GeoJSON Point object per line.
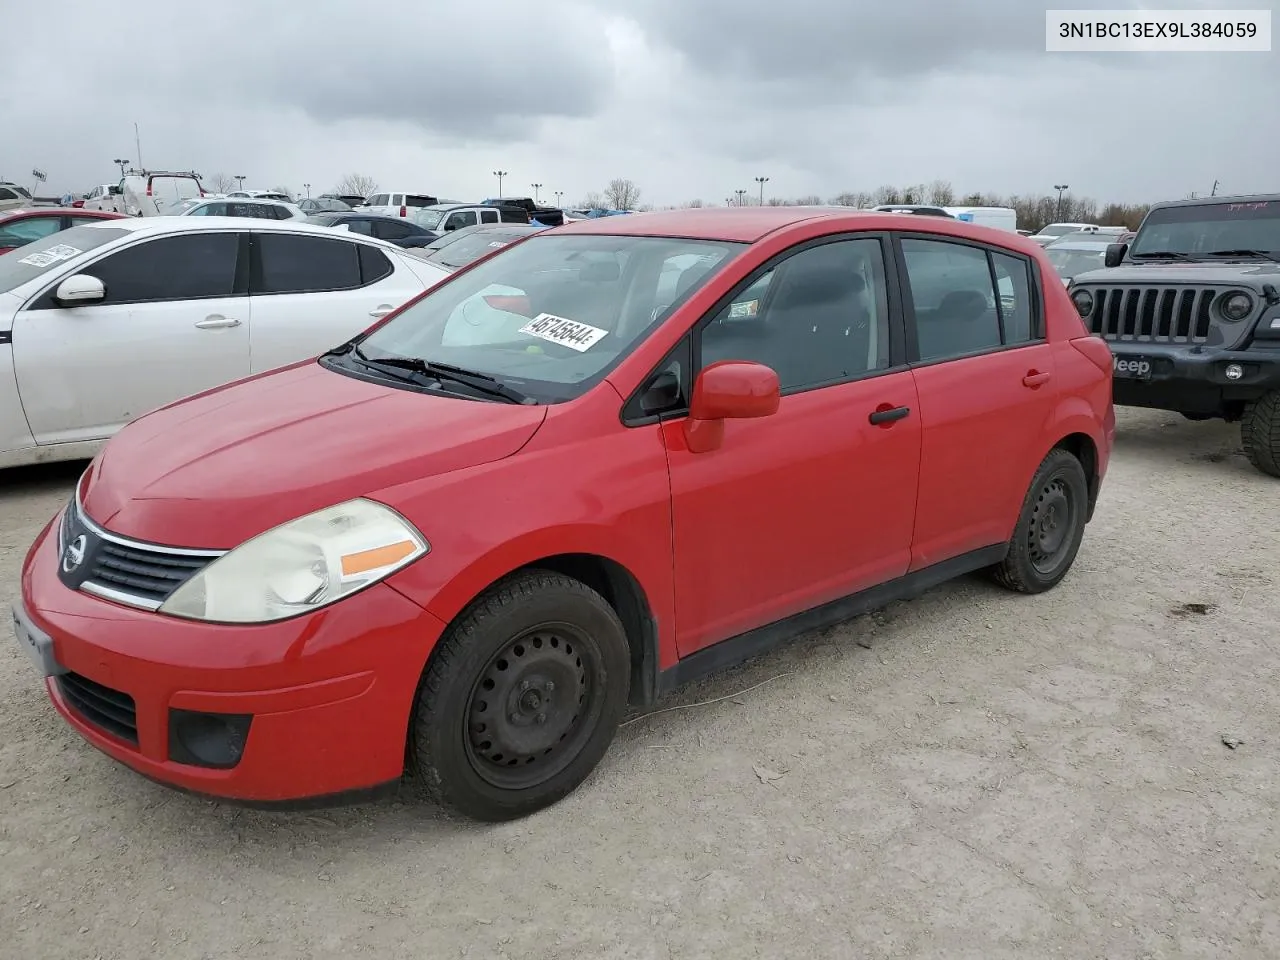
{"type": "Point", "coordinates": [587, 468]}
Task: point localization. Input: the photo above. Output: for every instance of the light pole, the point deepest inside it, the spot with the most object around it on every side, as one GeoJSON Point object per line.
{"type": "Point", "coordinates": [307, 187]}
{"type": "Point", "coordinates": [240, 178]}
{"type": "Point", "coordinates": [536, 188]}
{"type": "Point", "coordinates": [500, 174]}
{"type": "Point", "coordinates": [742, 197]}
{"type": "Point", "coordinates": [559, 194]}
{"type": "Point", "coordinates": [762, 181]}
{"type": "Point", "coordinates": [1059, 187]}
{"type": "Point", "coordinates": [123, 164]}
{"type": "Point", "coordinates": [728, 201]}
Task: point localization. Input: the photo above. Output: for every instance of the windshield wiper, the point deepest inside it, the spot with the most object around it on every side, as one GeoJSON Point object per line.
{"type": "Point", "coordinates": [480, 382]}
{"type": "Point", "coordinates": [1161, 255]}
{"type": "Point", "coordinates": [1260, 254]}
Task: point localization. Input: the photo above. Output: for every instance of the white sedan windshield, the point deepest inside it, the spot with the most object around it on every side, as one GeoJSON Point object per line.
{"type": "Point", "coordinates": [552, 314]}
{"type": "Point", "coordinates": [35, 259]}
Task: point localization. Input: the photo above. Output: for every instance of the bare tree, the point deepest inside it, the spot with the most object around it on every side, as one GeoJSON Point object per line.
{"type": "Point", "coordinates": [221, 183]}
{"type": "Point", "coordinates": [886, 194]}
{"type": "Point", "coordinates": [845, 199]}
{"type": "Point", "coordinates": [622, 194]}
{"type": "Point", "coordinates": [593, 201]}
{"type": "Point", "coordinates": [693, 205]}
{"type": "Point", "coordinates": [356, 185]}
{"type": "Point", "coordinates": [941, 193]}
{"type": "Point", "coordinates": [810, 200]}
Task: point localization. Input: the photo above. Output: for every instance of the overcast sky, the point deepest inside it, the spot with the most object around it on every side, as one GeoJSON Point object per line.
{"type": "Point", "coordinates": [688, 98]}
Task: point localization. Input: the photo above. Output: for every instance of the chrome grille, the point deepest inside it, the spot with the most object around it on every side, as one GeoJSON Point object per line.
{"type": "Point", "coordinates": [1152, 314]}
{"type": "Point", "coordinates": [117, 568]}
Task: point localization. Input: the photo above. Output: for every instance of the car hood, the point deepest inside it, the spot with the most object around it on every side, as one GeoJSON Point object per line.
{"type": "Point", "coordinates": [1251, 273]}
{"type": "Point", "coordinates": [215, 469]}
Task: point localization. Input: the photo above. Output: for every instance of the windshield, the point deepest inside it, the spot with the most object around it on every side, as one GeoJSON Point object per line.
{"type": "Point", "coordinates": [27, 263]}
{"type": "Point", "coordinates": [428, 218]}
{"type": "Point", "coordinates": [1059, 229]}
{"type": "Point", "coordinates": [550, 316]}
{"type": "Point", "coordinates": [1068, 263]}
{"type": "Point", "coordinates": [1199, 229]}
{"type": "Point", "coordinates": [473, 246]}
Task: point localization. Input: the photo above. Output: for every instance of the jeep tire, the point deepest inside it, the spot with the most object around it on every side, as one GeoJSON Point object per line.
{"type": "Point", "coordinates": [1260, 433]}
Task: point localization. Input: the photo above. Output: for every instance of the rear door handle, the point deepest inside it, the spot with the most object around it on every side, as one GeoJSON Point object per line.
{"type": "Point", "coordinates": [887, 414]}
{"type": "Point", "coordinates": [381, 311]}
{"type": "Point", "coordinates": [216, 322]}
{"type": "Point", "coordinates": [1035, 378]}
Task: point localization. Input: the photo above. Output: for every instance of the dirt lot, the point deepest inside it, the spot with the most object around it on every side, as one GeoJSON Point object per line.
{"type": "Point", "coordinates": [970, 775]}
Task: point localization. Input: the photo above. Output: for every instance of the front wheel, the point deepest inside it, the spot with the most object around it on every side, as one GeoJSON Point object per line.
{"type": "Point", "coordinates": [1050, 527]}
{"type": "Point", "coordinates": [1260, 433]}
{"type": "Point", "coordinates": [521, 699]}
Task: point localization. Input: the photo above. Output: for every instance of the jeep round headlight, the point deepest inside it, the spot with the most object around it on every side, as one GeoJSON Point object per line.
{"type": "Point", "coordinates": [299, 566]}
{"type": "Point", "coordinates": [1236, 306]}
{"type": "Point", "coordinates": [1083, 300]}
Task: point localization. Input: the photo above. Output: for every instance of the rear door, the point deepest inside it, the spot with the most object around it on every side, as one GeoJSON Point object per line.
{"type": "Point", "coordinates": [984, 373]}
{"type": "Point", "coordinates": [311, 293]}
{"type": "Point", "coordinates": [175, 321]}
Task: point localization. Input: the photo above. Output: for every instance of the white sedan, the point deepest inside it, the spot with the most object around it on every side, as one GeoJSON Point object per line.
{"type": "Point", "coordinates": [256, 208]}
{"type": "Point", "coordinates": [103, 322]}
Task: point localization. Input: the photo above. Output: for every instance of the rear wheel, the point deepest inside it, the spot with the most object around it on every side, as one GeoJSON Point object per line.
{"type": "Point", "coordinates": [1050, 527]}
{"type": "Point", "coordinates": [1260, 433]}
{"type": "Point", "coordinates": [521, 699]}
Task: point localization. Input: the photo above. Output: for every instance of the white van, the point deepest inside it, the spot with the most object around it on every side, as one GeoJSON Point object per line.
{"type": "Point", "coordinates": [1001, 218]}
{"type": "Point", "coordinates": [151, 192]}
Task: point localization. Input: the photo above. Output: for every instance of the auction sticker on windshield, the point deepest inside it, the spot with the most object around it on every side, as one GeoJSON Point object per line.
{"type": "Point", "coordinates": [568, 333]}
{"type": "Point", "coordinates": [55, 253]}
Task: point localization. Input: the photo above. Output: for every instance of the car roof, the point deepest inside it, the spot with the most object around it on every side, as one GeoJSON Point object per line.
{"type": "Point", "coordinates": [164, 225]}
{"type": "Point", "coordinates": [1209, 201]}
{"type": "Point", "coordinates": [750, 224]}
{"type": "Point", "coordinates": [1086, 245]}
{"type": "Point", "coordinates": [27, 212]}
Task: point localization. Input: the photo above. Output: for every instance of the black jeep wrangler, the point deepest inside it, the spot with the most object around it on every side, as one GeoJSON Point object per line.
{"type": "Point", "coordinates": [1191, 311]}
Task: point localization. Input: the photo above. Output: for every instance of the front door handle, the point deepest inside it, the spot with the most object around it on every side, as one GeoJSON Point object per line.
{"type": "Point", "coordinates": [216, 322]}
{"type": "Point", "coordinates": [382, 311]}
{"type": "Point", "coordinates": [885, 414]}
{"type": "Point", "coordinates": [1035, 378]}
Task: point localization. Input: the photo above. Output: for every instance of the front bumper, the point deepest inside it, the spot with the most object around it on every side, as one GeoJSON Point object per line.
{"type": "Point", "coordinates": [1190, 379]}
{"type": "Point", "coordinates": [328, 695]}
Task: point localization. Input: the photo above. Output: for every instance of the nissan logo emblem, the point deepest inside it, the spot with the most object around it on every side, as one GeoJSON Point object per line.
{"type": "Point", "coordinates": [73, 556]}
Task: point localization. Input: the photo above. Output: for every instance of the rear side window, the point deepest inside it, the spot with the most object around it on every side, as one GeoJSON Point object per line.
{"type": "Point", "coordinates": [953, 298]}
{"type": "Point", "coordinates": [287, 263]}
{"type": "Point", "coordinates": [397, 230]}
{"type": "Point", "coordinates": [488, 216]}
{"type": "Point", "coordinates": [377, 200]}
{"type": "Point", "coordinates": [374, 264]}
{"type": "Point", "coordinates": [417, 200]}
{"type": "Point", "coordinates": [363, 227]}
{"type": "Point", "coordinates": [191, 266]}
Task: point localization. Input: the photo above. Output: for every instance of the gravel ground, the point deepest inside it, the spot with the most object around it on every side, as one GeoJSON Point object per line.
{"type": "Point", "coordinates": [972, 775]}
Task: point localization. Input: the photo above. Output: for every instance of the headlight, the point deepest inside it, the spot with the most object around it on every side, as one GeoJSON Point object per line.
{"type": "Point", "coordinates": [1083, 300]}
{"type": "Point", "coordinates": [1236, 306]}
{"type": "Point", "coordinates": [302, 565]}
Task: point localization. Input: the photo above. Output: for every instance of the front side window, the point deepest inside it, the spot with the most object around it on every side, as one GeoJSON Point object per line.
{"type": "Point", "coordinates": [819, 317]}
{"type": "Point", "coordinates": [549, 316]}
{"type": "Point", "coordinates": [190, 266]}
{"type": "Point", "coordinates": [291, 263]}
{"type": "Point", "coordinates": [953, 298]}
{"type": "Point", "coordinates": [20, 232]}
{"type": "Point", "coordinates": [461, 218]}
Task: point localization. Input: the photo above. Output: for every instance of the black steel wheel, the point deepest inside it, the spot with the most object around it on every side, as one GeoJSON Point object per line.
{"type": "Point", "coordinates": [1050, 526]}
{"type": "Point", "coordinates": [521, 697]}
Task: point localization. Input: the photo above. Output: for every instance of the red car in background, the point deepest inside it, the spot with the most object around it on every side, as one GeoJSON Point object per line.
{"type": "Point", "coordinates": [585, 469]}
{"type": "Point", "coordinates": [22, 226]}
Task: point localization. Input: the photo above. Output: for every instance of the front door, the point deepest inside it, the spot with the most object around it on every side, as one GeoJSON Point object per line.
{"type": "Point", "coordinates": [818, 500]}
{"type": "Point", "coordinates": [172, 324]}
{"type": "Point", "coordinates": [984, 373]}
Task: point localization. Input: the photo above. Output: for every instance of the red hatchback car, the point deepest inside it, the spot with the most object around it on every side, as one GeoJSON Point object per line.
{"type": "Point", "coordinates": [581, 471]}
{"type": "Point", "coordinates": [26, 224]}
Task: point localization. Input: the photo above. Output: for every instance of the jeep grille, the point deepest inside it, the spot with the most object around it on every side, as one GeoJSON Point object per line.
{"type": "Point", "coordinates": [1152, 314]}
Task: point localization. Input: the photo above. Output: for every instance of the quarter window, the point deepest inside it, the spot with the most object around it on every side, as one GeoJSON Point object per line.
{"type": "Point", "coordinates": [819, 317]}
{"type": "Point", "coordinates": [952, 295]}
{"type": "Point", "coordinates": [1013, 283]}
{"type": "Point", "coordinates": [374, 264]}
{"type": "Point", "coordinates": [192, 266]}
{"type": "Point", "coordinates": [290, 263]}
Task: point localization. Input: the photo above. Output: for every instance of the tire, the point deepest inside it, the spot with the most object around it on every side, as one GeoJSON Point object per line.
{"type": "Point", "coordinates": [1260, 433]}
{"type": "Point", "coordinates": [496, 733]}
{"type": "Point", "coordinates": [1197, 417]}
{"type": "Point", "coordinates": [1045, 542]}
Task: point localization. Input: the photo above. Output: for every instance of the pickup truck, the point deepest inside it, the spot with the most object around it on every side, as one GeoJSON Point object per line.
{"type": "Point", "coordinates": [550, 216]}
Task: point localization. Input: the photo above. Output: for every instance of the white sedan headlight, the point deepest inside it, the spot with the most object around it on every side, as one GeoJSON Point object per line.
{"type": "Point", "coordinates": [301, 565]}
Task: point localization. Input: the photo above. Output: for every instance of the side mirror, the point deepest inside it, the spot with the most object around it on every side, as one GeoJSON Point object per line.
{"type": "Point", "coordinates": [1115, 253]}
{"type": "Point", "coordinates": [729, 390]}
{"type": "Point", "coordinates": [80, 288]}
